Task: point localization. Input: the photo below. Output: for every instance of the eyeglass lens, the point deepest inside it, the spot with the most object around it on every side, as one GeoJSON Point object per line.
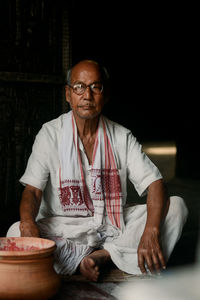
{"type": "Point", "coordinates": [79, 88]}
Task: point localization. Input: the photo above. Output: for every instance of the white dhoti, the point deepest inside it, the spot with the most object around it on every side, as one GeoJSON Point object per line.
{"type": "Point", "coordinates": [78, 237]}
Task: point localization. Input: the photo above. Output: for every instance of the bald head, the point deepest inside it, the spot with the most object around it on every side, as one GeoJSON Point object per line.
{"type": "Point", "coordinates": [85, 66]}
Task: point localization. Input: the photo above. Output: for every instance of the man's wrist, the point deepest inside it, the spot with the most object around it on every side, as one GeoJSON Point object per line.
{"type": "Point", "coordinates": [152, 228]}
{"type": "Point", "coordinates": [25, 220]}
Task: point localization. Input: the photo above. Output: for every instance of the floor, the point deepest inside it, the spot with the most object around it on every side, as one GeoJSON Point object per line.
{"type": "Point", "coordinates": [108, 288]}
{"type": "Point", "coordinates": [184, 254]}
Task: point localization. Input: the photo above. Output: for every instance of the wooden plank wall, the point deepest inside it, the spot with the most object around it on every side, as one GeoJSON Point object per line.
{"type": "Point", "coordinates": [34, 54]}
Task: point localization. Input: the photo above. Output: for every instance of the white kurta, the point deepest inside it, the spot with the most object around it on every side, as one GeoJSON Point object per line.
{"type": "Point", "coordinates": [43, 166]}
{"type": "Point", "coordinates": [77, 236]}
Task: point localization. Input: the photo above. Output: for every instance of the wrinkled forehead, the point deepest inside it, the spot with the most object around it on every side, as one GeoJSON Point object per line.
{"type": "Point", "coordinates": [86, 72]}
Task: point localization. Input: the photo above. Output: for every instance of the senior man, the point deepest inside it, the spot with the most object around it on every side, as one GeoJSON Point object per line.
{"type": "Point", "coordinates": [76, 187]}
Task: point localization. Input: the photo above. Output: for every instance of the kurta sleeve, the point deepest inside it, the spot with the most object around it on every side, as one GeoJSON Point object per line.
{"type": "Point", "coordinates": [141, 170]}
{"type": "Point", "coordinates": [37, 170]}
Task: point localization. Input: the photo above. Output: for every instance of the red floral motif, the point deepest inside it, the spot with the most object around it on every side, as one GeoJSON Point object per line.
{"type": "Point", "coordinates": [65, 196]}
{"type": "Point", "coordinates": [96, 187]}
{"type": "Point", "coordinates": [76, 195]}
{"type": "Point", "coordinates": [71, 195]}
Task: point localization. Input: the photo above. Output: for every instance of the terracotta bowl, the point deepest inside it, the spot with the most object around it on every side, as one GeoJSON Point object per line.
{"type": "Point", "coordinates": [26, 269]}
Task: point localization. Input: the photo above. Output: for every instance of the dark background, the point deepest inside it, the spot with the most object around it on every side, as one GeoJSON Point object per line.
{"type": "Point", "coordinates": [148, 49]}
{"type": "Point", "coordinates": [150, 52]}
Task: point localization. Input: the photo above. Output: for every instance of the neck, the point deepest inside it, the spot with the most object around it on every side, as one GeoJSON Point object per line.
{"type": "Point", "coordinates": [87, 128]}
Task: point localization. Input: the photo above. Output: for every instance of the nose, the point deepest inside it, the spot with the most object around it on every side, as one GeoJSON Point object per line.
{"type": "Point", "coordinates": [88, 93]}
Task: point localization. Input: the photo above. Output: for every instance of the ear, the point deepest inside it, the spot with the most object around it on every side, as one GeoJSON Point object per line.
{"type": "Point", "coordinates": [67, 93]}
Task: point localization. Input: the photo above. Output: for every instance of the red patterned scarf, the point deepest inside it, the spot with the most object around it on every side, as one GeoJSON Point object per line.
{"type": "Point", "coordinates": [105, 181]}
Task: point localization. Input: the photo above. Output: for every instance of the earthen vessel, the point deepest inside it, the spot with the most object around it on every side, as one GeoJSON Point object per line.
{"type": "Point", "coordinates": [26, 269]}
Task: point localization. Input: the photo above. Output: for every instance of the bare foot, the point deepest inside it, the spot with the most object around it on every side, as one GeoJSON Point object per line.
{"type": "Point", "coordinates": [89, 266]}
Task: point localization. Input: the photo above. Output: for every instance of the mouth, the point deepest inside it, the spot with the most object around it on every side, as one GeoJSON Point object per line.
{"type": "Point", "coordinates": [86, 107]}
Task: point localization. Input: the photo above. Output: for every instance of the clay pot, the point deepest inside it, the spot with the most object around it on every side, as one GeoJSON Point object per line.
{"type": "Point", "coordinates": [26, 269]}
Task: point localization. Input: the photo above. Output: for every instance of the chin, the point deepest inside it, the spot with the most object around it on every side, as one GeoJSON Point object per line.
{"type": "Point", "coordinates": [88, 115]}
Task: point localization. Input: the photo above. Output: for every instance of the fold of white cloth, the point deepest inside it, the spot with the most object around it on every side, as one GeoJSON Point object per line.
{"type": "Point", "coordinates": [78, 237]}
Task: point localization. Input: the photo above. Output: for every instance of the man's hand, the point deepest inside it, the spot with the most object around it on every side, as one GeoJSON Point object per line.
{"type": "Point", "coordinates": [150, 253]}
{"type": "Point", "coordinates": [29, 229]}
{"type": "Point", "coordinates": [29, 207]}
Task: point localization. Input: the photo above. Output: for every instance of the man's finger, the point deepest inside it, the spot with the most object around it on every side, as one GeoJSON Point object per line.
{"type": "Point", "coordinates": [150, 264]}
{"type": "Point", "coordinates": [141, 264]}
{"type": "Point", "coordinates": [156, 262]}
{"type": "Point", "coordinates": [162, 260]}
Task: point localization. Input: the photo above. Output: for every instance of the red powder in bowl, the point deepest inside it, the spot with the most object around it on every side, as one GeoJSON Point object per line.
{"type": "Point", "coordinates": [11, 246]}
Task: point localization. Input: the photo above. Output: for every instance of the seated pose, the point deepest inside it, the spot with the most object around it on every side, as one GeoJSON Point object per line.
{"type": "Point", "coordinates": [76, 189]}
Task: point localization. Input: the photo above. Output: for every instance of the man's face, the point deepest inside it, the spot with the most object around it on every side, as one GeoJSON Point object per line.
{"type": "Point", "coordinates": [89, 104]}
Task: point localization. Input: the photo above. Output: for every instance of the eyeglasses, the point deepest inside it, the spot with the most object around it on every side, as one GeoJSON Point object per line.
{"type": "Point", "coordinates": [79, 88]}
